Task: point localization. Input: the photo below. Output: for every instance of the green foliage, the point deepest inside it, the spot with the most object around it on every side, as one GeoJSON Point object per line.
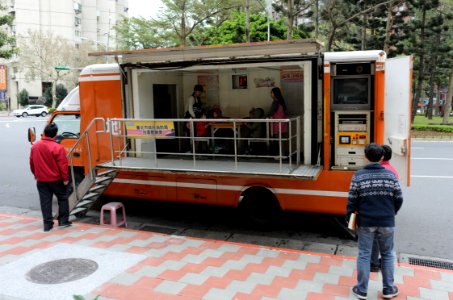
{"type": "Point", "coordinates": [48, 96]}
{"type": "Point", "coordinates": [7, 41]}
{"type": "Point", "coordinates": [301, 10]}
{"type": "Point", "coordinates": [22, 97]}
{"type": "Point", "coordinates": [80, 297]}
{"type": "Point", "coordinates": [139, 33]}
{"type": "Point", "coordinates": [60, 93]}
{"type": "Point", "coordinates": [233, 30]}
{"type": "Point", "coordinates": [421, 120]}
{"type": "Point", "coordinates": [421, 123]}
{"type": "Point", "coordinates": [437, 128]}
{"type": "Point", "coordinates": [431, 44]}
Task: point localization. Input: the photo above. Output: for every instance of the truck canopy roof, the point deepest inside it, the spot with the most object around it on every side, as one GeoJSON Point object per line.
{"type": "Point", "coordinates": [207, 54]}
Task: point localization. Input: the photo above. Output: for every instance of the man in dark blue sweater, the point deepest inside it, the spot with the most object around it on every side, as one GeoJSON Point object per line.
{"type": "Point", "coordinates": [375, 194]}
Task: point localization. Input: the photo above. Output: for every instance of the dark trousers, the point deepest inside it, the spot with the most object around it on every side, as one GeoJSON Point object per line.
{"type": "Point", "coordinates": [46, 191]}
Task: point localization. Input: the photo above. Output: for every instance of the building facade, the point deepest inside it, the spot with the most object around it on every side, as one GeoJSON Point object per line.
{"type": "Point", "coordinates": [77, 21]}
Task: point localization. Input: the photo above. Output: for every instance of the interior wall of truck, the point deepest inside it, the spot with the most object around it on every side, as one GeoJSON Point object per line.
{"type": "Point", "coordinates": [236, 88]}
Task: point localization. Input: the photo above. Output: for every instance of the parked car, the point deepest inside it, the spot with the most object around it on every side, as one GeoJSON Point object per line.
{"type": "Point", "coordinates": [31, 110]}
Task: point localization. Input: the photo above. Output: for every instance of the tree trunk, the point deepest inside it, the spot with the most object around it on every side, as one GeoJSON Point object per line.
{"type": "Point", "coordinates": [439, 106]}
{"type": "Point", "coordinates": [316, 19]}
{"type": "Point", "coordinates": [182, 34]}
{"type": "Point", "coordinates": [447, 107]}
{"type": "Point", "coordinates": [247, 21]}
{"type": "Point", "coordinates": [421, 69]}
{"type": "Point", "coordinates": [388, 27]}
{"type": "Point", "coordinates": [290, 19]}
{"type": "Point", "coordinates": [365, 21]}
{"type": "Point", "coordinates": [331, 38]}
{"type": "Point", "coordinates": [54, 93]}
{"type": "Point", "coordinates": [432, 75]}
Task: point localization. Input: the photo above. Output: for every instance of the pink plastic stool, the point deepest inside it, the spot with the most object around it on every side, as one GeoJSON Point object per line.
{"type": "Point", "coordinates": [112, 208]}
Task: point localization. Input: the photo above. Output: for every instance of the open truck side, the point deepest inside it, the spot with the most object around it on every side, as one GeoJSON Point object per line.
{"type": "Point", "coordinates": [337, 103]}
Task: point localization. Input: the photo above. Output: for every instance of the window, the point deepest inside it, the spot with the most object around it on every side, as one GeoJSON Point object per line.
{"type": "Point", "coordinates": [68, 125]}
{"type": "Point", "coordinates": [239, 81]}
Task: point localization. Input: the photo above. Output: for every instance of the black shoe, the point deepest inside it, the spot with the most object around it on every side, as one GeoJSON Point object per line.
{"type": "Point", "coordinates": [48, 228]}
{"type": "Point", "coordinates": [390, 294]}
{"type": "Point", "coordinates": [358, 294]}
{"type": "Point", "coordinates": [374, 268]}
{"type": "Point", "coordinates": [67, 224]}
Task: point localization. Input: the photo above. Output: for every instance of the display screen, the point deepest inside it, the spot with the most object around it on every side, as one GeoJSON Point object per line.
{"type": "Point", "coordinates": [351, 91]}
{"type": "Point", "coordinates": [345, 139]}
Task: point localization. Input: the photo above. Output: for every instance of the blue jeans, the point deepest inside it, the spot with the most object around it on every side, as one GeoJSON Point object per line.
{"type": "Point", "coordinates": [384, 236]}
{"type": "Point", "coordinates": [375, 254]}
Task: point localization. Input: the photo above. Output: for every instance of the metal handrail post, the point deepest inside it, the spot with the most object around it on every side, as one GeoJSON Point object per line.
{"type": "Point", "coordinates": [192, 135]}
{"type": "Point", "coordinates": [112, 152]}
{"type": "Point", "coordinates": [280, 144]}
{"type": "Point", "coordinates": [235, 145]}
{"type": "Point", "coordinates": [290, 139]}
{"type": "Point", "coordinates": [122, 128]}
{"type": "Point", "coordinates": [74, 189]}
{"type": "Point", "coordinates": [298, 141]}
{"type": "Point", "coordinates": [89, 155]}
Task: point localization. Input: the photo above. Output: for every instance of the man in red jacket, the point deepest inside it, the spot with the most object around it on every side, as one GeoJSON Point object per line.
{"type": "Point", "coordinates": [49, 165]}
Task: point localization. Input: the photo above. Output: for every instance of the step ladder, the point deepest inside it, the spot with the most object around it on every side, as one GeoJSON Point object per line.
{"type": "Point", "coordinates": [89, 191]}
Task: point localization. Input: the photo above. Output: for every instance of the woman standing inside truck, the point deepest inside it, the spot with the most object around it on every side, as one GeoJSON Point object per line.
{"type": "Point", "coordinates": [277, 111]}
{"type": "Point", "coordinates": [194, 102]}
{"type": "Point", "coordinates": [193, 110]}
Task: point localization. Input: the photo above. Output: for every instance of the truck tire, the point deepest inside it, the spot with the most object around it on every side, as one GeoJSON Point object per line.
{"type": "Point", "coordinates": [260, 208]}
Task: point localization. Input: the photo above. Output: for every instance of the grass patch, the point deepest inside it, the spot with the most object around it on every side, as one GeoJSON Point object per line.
{"type": "Point", "coordinates": [422, 123]}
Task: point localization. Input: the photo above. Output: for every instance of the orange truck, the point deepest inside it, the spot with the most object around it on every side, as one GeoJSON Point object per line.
{"type": "Point", "coordinates": [126, 136]}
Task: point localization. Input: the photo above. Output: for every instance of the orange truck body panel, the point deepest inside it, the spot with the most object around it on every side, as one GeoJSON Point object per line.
{"type": "Point", "coordinates": [327, 193]}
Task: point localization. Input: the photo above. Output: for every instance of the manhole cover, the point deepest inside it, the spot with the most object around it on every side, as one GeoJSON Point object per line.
{"type": "Point", "coordinates": [62, 270]}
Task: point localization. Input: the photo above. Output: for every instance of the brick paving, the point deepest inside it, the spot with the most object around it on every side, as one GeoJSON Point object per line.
{"type": "Point", "coordinates": [146, 265]}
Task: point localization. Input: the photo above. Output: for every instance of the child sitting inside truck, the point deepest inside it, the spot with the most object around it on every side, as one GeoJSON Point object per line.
{"type": "Point", "coordinates": [254, 130]}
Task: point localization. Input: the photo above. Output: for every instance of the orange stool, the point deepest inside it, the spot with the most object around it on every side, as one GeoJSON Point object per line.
{"type": "Point", "coordinates": [112, 207]}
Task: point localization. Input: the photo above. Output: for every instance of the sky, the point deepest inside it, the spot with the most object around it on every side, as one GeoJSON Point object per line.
{"type": "Point", "coordinates": [144, 8]}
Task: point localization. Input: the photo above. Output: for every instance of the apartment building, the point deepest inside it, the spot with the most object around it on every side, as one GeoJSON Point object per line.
{"type": "Point", "coordinates": [78, 21]}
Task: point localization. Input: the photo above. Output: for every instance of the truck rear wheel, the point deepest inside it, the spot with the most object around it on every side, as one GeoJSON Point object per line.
{"type": "Point", "coordinates": [260, 207]}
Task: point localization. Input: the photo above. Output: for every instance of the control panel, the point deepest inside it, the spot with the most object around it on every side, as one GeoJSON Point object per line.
{"type": "Point", "coordinates": [352, 131]}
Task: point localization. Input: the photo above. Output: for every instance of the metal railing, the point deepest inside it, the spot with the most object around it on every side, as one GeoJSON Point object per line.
{"type": "Point", "coordinates": [128, 136]}
{"type": "Point", "coordinates": [227, 139]}
{"type": "Point", "coordinates": [84, 137]}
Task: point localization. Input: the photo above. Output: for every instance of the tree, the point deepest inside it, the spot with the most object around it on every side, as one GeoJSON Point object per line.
{"type": "Point", "coordinates": [339, 15]}
{"type": "Point", "coordinates": [22, 97]}
{"type": "Point", "coordinates": [140, 33]}
{"type": "Point", "coordinates": [233, 31]}
{"type": "Point", "coordinates": [447, 108]}
{"type": "Point", "coordinates": [41, 52]}
{"type": "Point", "coordinates": [185, 17]}
{"type": "Point", "coordinates": [294, 11]}
{"type": "Point", "coordinates": [61, 92]}
{"type": "Point", "coordinates": [418, 44]}
{"type": "Point", "coordinates": [7, 41]}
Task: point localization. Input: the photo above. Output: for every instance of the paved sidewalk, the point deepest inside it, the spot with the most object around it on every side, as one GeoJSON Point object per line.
{"type": "Point", "coordinates": [118, 263]}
